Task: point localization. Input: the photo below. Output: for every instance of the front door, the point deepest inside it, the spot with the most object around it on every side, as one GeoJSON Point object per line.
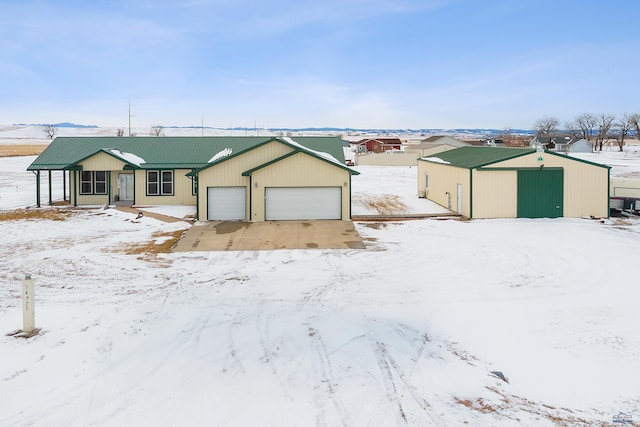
{"type": "Point", "coordinates": [125, 186]}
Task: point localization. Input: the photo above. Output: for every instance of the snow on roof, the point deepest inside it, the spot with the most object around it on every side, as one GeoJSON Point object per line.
{"type": "Point", "coordinates": [436, 160]}
{"type": "Point", "coordinates": [322, 154]}
{"type": "Point", "coordinates": [128, 157]}
{"type": "Point", "coordinates": [224, 153]}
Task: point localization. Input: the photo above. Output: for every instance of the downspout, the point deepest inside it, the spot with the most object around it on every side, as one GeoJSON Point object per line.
{"type": "Point", "coordinates": [195, 177]}
{"type": "Point", "coordinates": [250, 198]}
{"type": "Point", "coordinates": [350, 217]}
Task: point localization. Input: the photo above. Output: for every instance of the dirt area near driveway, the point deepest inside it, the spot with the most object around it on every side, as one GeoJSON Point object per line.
{"type": "Point", "coordinates": [269, 235]}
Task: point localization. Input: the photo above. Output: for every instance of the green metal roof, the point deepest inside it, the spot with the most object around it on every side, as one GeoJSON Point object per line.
{"type": "Point", "coordinates": [166, 152]}
{"type": "Point", "coordinates": [474, 157]}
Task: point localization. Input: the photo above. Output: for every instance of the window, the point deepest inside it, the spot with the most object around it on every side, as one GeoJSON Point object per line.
{"type": "Point", "coordinates": [100, 182]}
{"type": "Point", "coordinates": [93, 182]}
{"type": "Point", "coordinates": [86, 182]}
{"type": "Point", "coordinates": [194, 186]}
{"type": "Point", "coordinates": [426, 181]}
{"type": "Point", "coordinates": [159, 183]}
{"type": "Point", "coordinates": [152, 182]}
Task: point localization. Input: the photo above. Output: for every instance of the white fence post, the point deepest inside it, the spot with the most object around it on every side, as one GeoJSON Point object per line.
{"type": "Point", "coordinates": [28, 309]}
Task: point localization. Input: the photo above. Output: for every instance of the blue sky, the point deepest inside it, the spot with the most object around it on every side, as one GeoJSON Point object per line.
{"type": "Point", "coordinates": [343, 63]}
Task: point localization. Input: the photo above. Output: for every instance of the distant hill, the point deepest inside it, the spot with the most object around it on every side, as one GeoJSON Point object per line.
{"type": "Point", "coordinates": [58, 125]}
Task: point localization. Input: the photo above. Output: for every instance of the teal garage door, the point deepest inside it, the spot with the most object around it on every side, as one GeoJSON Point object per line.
{"type": "Point", "coordinates": [540, 193]}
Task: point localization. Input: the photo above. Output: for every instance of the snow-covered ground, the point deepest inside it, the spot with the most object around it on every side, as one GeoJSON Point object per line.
{"type": "Point", "coordinates": [405, 332]}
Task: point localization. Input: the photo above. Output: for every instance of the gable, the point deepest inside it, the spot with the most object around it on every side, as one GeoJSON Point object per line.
{"type": "Point", "coordinates": [298, 168]}
{"type": "Point", "coordinates": [101, 161]}
{"type": "Point", "coordinates": [235, 164]}
{"type": "Point", "coordinates": [295, 152]}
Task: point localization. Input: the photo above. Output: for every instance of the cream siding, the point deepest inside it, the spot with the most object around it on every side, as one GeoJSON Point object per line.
{"type": "Point", "coordinates": [495, 194]}
{"type": "Point", "coordinates": [388, 158]}
{"type": "Point", "coordinates": [428, 152]}
{"type": "Point", "coordinates": [182, 190]}
{"type": "Point", "coordinates": [97, 199]}
{"type": "Point", "coordinates": [299, 170]}
{"type": "Point", "coordinates": [585, 185]}
{"type": "Point", "coordinates": [443, 185]}
{"type": "Point", "coordinates": [229, 172]}
{"type": "Point", "coordinates": [102, 162]}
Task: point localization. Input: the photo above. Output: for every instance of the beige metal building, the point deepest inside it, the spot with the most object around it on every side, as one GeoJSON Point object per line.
{"type": "Point", "coordinates": [491, 182]}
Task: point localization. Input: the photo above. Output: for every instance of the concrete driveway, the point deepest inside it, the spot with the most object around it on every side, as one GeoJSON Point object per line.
{"type": "Point", "coordinates": [269, 235]}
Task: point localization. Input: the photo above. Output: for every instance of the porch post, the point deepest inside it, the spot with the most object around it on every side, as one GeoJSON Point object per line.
{"type": "Point", "coordinates": [109, 195]}
{"type": "Point", "coordinates": [38, 188]}
{"type": "Point", "coordinates": [75, 190]}
{"type": "Point", "coordinates": [50, 196]}
{"type": "Point", "coordinates": [64, 185]}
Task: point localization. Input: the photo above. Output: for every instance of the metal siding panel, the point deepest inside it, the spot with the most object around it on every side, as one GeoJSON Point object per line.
{"type": "Point", "coordinates": [495, 194]}
{"type": "Point", "coordinates": [102, 162]}
{"type": "Point", "coordinates": [444, 179]}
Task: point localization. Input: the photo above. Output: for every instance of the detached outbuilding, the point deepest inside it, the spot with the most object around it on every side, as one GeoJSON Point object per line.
{"type": "Point", "coordinates": [496, 182]}
{"type": "Point", "coordinates": [226, 178]}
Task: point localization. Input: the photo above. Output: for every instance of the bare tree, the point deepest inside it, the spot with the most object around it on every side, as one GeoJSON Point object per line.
{"type": "Point", "coordinates": [120, 132]}
{"type": "Point", "coordinates": [583, 126]}
{"type": "Point", "coordinates": [156, 130]}
{"type": "Point", "coordinates": [621, 129]}
{"type": "Point", "coordinates": [504, 136]}
{"type": "Point", "coordinates": [546, 126]}
{"type": "Point", "coordinates": [50, 131]}
{"type": "Point", "coordinates": [634, 122]}
{"type": "Point", "coordinates": [604, 122]}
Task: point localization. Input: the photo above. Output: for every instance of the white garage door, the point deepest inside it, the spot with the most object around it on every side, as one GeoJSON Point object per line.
{"type": "Point", "coordinates": [284, 203]}
{"type": "Point", "coordinates": [226, 203]}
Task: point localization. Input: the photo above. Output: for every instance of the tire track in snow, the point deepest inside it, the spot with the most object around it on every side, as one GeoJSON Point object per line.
{"type": "Point", "coordinates": [117, 403]}
{"type": "Point", "coordinates": [387, 379]}
{"type": "Point", "coordinates": [327, 376]}
{"type": "Point", "coordinates": [397, 380]}
{"type": "Point", "coordinates": [233, 350]}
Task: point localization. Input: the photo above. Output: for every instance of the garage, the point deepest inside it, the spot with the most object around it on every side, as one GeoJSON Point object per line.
{"type": "Point", "coordinates": [226, 203]}
{"type": "Point", "coordinates": [297, 203]}
{"type": "Point", "coordinates": [540, 193]}
{"type": "Point", "coordinates": [502, 182]}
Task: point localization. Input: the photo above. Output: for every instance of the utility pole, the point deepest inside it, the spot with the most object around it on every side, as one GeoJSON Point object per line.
{"type": "Point", "coordinates": [130, 116]}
